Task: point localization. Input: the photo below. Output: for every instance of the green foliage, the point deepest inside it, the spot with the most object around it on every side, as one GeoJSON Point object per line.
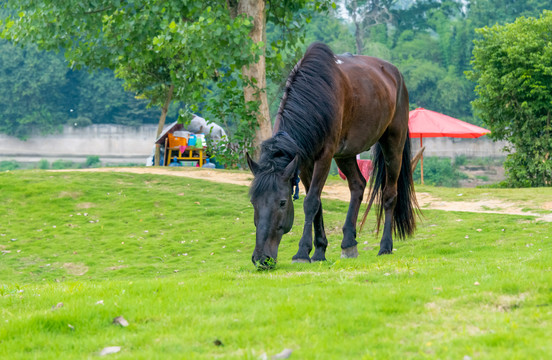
{"type": "Point", "coordinates": [432, 57]}
{"type": "Point", "coordinates": [102, 99]}
{"type": "Point", "coordinates": [431, 42]}
{"type": "Point", "coordinates": [149, 44]}
{"type": "Point", "coordinates": [479, 161]}
{"type": "Point", "coordinates": [155, 46]}
{"type": "Point", "coordinates": [30, 100]}
{"type": "Point", "coordinates": [92, 161]}
{"type": "Point", "coordinates": [45, 94]}
{"type": "Point", "coordinates": [439, 172]}
{"type": "Point", "coordinates": [8, 165]}
{"type": "Point", "coordinates": [152, 44]}
{"type": "Point", "coordinates": [43, 164]}
{"type": "Point", "coordinates": [460, 160]}
{"type": "Point", "coordinates": [238, 118]}
{"type": "Point", "coordinates": [512, 65]}
{"type": "Point", "coordinates": [64, 164]}
{"type": "Point", "coordinates": [331, 31]}
{"type": "Point", "coordinates": [490, 12]}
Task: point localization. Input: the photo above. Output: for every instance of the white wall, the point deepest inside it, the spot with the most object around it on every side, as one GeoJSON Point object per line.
{"type": "Point", "coordinates": [452, 147]}
{"type": "Point", "coordinates": [112, 143]}
{"type": "Point", "coordinates": [129, 144]}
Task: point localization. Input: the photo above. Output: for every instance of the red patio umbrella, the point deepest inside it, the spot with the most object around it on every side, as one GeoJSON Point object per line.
{"type": "Point", "coordinates": [426, 123]}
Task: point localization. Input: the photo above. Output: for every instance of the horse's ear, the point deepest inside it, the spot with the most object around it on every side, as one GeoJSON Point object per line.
{"type": "Point", "coordinates": [252, 164]}
{"type": "Point", "coordinates": [289, 171]}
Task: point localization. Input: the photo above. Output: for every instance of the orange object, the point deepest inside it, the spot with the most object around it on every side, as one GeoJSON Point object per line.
{"type": "Point", "coordinates": [176, 141]}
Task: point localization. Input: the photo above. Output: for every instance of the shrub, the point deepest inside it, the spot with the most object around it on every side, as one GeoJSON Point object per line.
{"type": "Point", "coordinates": [460, 160]}
{"type": "Point", "coordinates": [512, 65]}
{"type": "Point", "coordinates": [499, 185]}
{"type": "Point", "coordinates": [439, 172]}
{"type": "Point", "coordinates": [64, 164]}
{"type": "Point", "coordinates": [92, 161]}
{"type": "Point", "coordinates": [8, 165]}
{"type": "Point", "coordinates": [43, 164]}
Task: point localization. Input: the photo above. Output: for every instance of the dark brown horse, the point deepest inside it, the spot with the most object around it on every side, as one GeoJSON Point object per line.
{"type": "Point", "coordinates": [334, 106]}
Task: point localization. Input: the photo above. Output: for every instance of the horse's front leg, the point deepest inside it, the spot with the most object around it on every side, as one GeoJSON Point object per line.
{"type": "Point", "coordinates": [320, 239]}
{"type": "Point", "coordinates": [305, 244]}
{"type": "Point", "coordinates": [312, 206]}
{"type": "Point", "coordinates": [357, 184]}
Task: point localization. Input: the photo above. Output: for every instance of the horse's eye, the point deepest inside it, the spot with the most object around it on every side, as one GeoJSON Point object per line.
{"type": "Point", "coordinates": [283, 203]}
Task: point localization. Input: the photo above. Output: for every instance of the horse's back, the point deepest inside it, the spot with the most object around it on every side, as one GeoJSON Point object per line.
{"type": "Point", "coordinates": [373, 90]}
{"type": "Point", "coordinates": [360, 69]}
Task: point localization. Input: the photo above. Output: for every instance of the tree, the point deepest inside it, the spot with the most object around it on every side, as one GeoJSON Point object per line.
{"type": "Point", "coordinates": [327, 28]}
{"type": "Point", "coordinates": [101, 98]}
{"type": "Point", "coordinates": [512, 65]}
{"type": "Point", "coordinates": [491, 12]}
{"type": "Point", "coordinates": [163, 49]}
{"type": "Point", "coordinates": [366, 14]}
{"type": "Point", "coordinates": [39, 93]}
{"type": "Point", "coordinates": [415, 16]}
{"type": "Point", "coordinates": [30, 100]}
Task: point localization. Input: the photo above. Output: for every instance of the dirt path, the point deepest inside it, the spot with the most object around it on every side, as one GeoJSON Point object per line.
{"type": "Point", "coordinates": [340, 191]}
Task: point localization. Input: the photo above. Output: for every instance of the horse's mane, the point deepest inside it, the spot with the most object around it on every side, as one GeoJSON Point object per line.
{"type": "Point", "coordinates": [309, 102]}
{"type": "Point", "coordinates": [276, 153]}
{"type": "Point", "coordinates": [305, 115]}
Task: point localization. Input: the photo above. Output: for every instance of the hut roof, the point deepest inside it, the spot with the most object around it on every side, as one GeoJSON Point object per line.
{"type": "Point", "coordinates": [175, 126]}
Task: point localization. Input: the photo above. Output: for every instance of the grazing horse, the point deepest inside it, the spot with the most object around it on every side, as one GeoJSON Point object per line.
{"type": "Point", "coordinates": [334, 106]}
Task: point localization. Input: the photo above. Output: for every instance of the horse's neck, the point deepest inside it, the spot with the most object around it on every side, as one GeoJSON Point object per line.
{"type": "Point", "coordinates": [277, 123]}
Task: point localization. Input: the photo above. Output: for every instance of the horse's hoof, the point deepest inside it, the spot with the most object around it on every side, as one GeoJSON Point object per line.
{"type": "Point", "coordinates": [319, 255]}
{"type": "Point", "coordinates": [385, 252]}
{"type": "Point", "coordinates": [300, 261]}
{"type": "Point", "coordinates": [315, 259]}
{"type": "Point", "coordinates": [349, 253]}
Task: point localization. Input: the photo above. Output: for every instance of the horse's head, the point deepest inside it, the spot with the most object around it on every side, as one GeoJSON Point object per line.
{"type": "Point", "coordinates": [271, 196]}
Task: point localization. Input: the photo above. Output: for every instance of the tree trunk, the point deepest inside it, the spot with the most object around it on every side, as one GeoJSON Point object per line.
{"type": "Point", "coordinates": [359, 37]}
{"type": "Point", "coordinates": [257, 71]}
{"type": "Point", "coordinates": [165, 110]}
{"type": "Point", "coordinates": [161, 125]}
{"type": "Point", "coordinates": [359, 26]}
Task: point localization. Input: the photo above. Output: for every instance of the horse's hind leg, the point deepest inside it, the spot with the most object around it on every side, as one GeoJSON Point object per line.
{"type": "Point", "coordinates": [392, 144]}
{"type": "Point", "coordinates": [357, 184]}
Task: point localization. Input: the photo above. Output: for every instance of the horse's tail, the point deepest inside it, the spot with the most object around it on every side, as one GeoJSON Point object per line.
{"type": "Point", "coordinates": [404, 215]}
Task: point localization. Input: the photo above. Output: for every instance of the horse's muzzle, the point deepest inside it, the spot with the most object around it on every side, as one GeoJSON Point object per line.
{"type": "Point", "coordinates": [263, 262]}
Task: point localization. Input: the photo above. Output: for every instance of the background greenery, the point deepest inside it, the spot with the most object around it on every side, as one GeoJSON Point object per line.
{"type": "Point", "coordinates": [92, 161]}
{"type": "Point", "coordinates": [198, 56]}
{"type": "Point", "coordinates": [430, 41]}
{"type": "Point", "coordinates": [172, 256]}
{"type": "Point", "coordinates": [39, 92]}
{"type": "Point", "coordinates": [513, 68]}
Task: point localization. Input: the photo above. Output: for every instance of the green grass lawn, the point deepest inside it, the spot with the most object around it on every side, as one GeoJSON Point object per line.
{"type": "Point", "coordinates": [173, 257]}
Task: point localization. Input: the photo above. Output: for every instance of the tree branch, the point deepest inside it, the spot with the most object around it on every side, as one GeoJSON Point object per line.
{"type": "Point", "coordinates": [99, 10]}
